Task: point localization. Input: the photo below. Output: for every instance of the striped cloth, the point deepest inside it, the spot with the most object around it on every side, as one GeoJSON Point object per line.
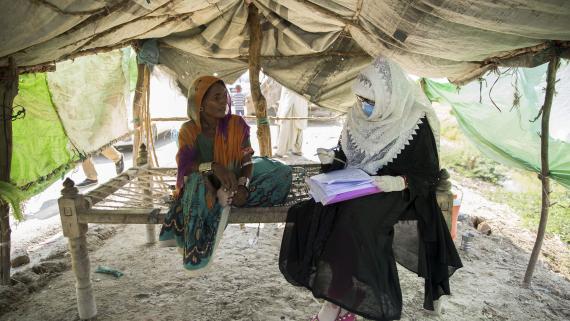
{"type": "Point", "coordinates": [238, 103]}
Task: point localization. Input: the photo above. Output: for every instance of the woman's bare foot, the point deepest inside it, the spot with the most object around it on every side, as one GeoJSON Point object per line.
{"type": "Point", "coordinates": [329, 312]}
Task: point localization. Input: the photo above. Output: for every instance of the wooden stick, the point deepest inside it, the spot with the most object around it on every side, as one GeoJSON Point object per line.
{"type": "Point", "coordinates": [152, 159]}
{"type": "Point", "coordinates": [155, 215]}
{"type": "Point", "coordinates": [255, 38]}
{"type": "Point", "coordinates": [258, 215]}
{"type": "Point", "coordinates": [123, 216]}
{"type": "Point", "coordinates": [134, 191]}
{"type": "Point", "coordinates": [139, 196]}
{"type": "Point", "coordinates": [142, 160]}
{"type": "Point", "coordinates": [165, 119]}
{"type": "Point", "coordinates": [138, 102]}
{"type": "Point", "coordinates": [545, 170]}
{"type": "Point", "coordinates": [111, 186]}
{"type": "Point", "coordinates": [346, 54]}
{"type": "Point", "coordinates": [162, 182]}
{"type": "Point", "coordinates": [48, 66]}
{"type": "Point", "coordinates": [160, 171]}
{"type": "Point", "coordinates": [136, 198]}
{"type": "Point", "coordinates": [8, 90]}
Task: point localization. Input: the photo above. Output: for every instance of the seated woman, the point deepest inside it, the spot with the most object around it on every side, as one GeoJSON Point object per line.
{"type": "Point", "coordinates": [346, 252]}
{"type": "Point", "coordinates": [215, 165]}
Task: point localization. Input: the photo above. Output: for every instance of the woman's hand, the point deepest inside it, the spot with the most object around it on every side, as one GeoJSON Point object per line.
{"type": "Point", "coordinates": [387, 183]}
{"type": "Point", "coordinates": [326, 156]}
{"type": "Point", "coordinates": [210, 189]}
{"type": "Point", "coordinates": [227, 178]}
{"type": "Point", "coordinates": [241, 196]}
{"type": "Point", "coordinates": [224, 197]}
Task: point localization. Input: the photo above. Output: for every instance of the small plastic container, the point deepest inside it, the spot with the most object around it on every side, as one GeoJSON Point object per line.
{"type": "Point", "coordinates": [467, 241]}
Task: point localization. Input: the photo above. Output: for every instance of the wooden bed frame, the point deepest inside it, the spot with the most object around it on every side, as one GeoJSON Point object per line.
{"type": "Point", "coordinates": [78, 210]}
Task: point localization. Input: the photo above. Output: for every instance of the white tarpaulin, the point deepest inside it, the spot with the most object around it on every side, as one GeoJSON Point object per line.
{"type": "Point", "coordinates": [434, 38]}
{"type": "Point", "coordinates": [90, 96]}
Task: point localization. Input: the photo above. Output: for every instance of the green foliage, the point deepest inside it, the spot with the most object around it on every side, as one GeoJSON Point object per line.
{"type": "Point", "coordinates": [469, 163]}
{"type": "Point", "coordinates": [528, 205]}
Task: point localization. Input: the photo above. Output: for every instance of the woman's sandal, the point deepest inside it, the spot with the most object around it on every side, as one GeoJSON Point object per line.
{"type": "Point", "coordinates": [346, 317]}
{"type": "Point", "coordinates": [316, 317]}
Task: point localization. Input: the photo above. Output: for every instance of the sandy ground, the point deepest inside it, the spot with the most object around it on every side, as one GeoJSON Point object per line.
{"type": "Point", "coordinates": [244, 282]}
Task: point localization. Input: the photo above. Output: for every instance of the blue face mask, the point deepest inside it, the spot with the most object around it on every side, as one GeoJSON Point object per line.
{"type": "Point", "coordinates": [367, 108]}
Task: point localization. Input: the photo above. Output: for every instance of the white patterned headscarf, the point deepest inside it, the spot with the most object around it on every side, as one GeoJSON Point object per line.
{"type": "Point", "coordinates": [370, 142]}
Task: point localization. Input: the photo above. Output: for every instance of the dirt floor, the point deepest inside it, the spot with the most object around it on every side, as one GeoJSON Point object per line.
{"type": "Point", "coordinates": [244, 282]}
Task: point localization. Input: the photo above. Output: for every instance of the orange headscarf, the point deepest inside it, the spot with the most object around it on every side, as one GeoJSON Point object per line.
{"type": "Point", "coordinates": [198, 90]}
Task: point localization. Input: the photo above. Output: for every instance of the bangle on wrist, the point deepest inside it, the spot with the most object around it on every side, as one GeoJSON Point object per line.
{"type": "Point", "coordinates": [205, 168]}
{"type": "Point", "coordinates": [244, 181]}
{"type": "Point", "coordinates": [405, 181]}
{"type": "Point", "coordinates": [246, 189]}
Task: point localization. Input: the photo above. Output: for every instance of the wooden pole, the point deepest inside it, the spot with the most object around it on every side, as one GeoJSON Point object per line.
{"type": "Point", "coordinates": [263, 132]}
{"type": "Point", "coordinates": [166, 119]}
{"type": "Point", "coordinates": [139, 101]}
{"type": "Point", "coordinates": [8, 90]}
{"type": "Point", "coordinates": [71, 204]}
{"type": "Point", "coordinates": [142, 160]}
{"type": "Point", "coordinates": [544, 173]}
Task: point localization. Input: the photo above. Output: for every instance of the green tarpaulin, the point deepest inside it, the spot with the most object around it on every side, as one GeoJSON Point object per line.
{"type": "Point", "coordinates": [73, 111]}
{"type": "Point", "coordinates": [498, 116]}
{"type": "Point", "coordinates": [40, 143]}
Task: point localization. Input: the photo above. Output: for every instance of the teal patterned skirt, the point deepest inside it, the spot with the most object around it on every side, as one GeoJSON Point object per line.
{"type": "Point", "coordinates": [197, 229]}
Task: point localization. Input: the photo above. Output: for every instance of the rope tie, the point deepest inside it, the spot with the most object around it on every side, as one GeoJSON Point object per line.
{"type": "Point", "coordinates": [262, 121]}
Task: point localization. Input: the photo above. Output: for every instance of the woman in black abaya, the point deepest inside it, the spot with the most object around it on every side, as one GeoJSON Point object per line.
{"type": "Point", "coordinates": [346, 253]}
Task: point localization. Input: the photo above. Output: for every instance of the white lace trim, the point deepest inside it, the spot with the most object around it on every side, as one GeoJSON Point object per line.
{"type": "Point", "coordinates": [368, 163]}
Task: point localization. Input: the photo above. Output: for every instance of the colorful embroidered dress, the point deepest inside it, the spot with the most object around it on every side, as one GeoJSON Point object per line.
{"type": "Point", "coordinates": [195, 220]}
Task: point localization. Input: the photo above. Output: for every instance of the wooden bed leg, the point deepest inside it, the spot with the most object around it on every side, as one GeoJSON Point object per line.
{"type": "Point", "coordinates": [150, 234]}
{"type": "Point", "coordinates": [142, 160]}
{"type": "Point", "coordinates": [70, 204]}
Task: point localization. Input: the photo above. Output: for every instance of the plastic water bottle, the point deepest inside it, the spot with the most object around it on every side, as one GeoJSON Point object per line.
{"type": "Point", "coordinates": [467, 241]}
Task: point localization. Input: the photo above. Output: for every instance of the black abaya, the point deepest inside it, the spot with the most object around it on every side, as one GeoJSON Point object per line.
{"type": "Point", "coordinates": [346, 253]}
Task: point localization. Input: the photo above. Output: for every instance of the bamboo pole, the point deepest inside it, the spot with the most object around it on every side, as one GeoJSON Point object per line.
{"type": "Point", "coordinates": [142, 160]}
{"type": "Point", "coordinates": [545, 170]}
{"type": "Point", "coordinates": [152, 157]}
{"type": "Point", "coordinates": [263, 133]}
{"type": "Point", "coordinates": [8, 90]}
{"type": "Point", "coordinates": [139, 101]}
{"type": "Point", "coordinates": [177, 119]}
